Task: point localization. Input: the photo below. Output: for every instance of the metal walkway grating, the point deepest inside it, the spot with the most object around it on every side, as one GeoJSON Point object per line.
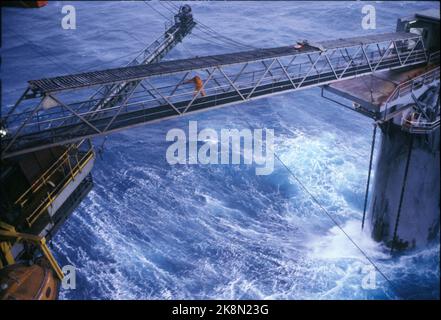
{"type": "Point", "coordinates": [132, 73]}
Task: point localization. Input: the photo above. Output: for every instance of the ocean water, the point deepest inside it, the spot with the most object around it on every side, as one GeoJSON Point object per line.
{"type": "Point", "coordinates": [149, 230]}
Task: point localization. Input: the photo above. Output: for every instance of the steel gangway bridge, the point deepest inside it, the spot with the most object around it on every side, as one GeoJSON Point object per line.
{"type": "Point", "coordinates": [69, 108]}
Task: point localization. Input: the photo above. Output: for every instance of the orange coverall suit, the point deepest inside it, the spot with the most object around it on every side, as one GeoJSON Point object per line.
{"type": "Point", "coordinates": [197, 85]}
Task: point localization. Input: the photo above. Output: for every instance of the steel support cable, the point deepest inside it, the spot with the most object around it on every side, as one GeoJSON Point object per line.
{"type": "Point", "coordinates": [317, 202]}
{"type": "Point", "coordinates": [96, 66]}
{"type": "Point", "coordinates": [207, 32]}
{"type": "Point", "coordinates": [156, 10]}
{"type": "Point", "coordinates": [214, 41]}
{"type": "Point", "coordinates": [172, 5]}
{"type": "Point", "coordinates": [201, 25]}
{"type": "Point", "coordinates": [226, 40]}
{"type": "Point", "coordinates": [369, 175]}
{"type": "Point", "coordinates": [403, 189]}
{"type": "Point", "coordinates": [208, 37]}
{"type": "Point", "coordinates": [223, 38]}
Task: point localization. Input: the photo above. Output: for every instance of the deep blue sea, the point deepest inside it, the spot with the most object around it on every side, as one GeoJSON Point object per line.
{"type": "Point", "coordinates": [149, 230]}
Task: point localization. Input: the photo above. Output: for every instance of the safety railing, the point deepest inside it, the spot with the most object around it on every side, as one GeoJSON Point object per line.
{"type": "Point", "coordinates": [315, 68]}
{"type": "Point", "coordinates": [247, 79]}
{"type": "Point", "coordinates": [409, 86]}
{"type": "Point", "coordinates": [69, 166]}
{"type": "Point", "coordinates": [43, 179]}
{"type": "Point", "coordinates": [419, 126]}
{"type": "Point", "coordinates": [434, 58]}
{"type": "Point", "coordinates": [406, 87]}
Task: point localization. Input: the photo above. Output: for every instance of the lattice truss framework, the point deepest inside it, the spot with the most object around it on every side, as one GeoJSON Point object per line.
{"type": "Point", "coordinates": [42, 119]}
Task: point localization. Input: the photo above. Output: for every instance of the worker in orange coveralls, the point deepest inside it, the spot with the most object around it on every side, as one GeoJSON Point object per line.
{"type": "Point", "coordinates": [198, 84]}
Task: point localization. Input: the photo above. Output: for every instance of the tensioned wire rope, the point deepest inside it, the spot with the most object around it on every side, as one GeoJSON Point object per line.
{"type": "Point", "coordinates": [206, 30]}
{"type": "Point", "coordinates": [328, 214]}
{"type": "Point", "coordinates": [220, 41]}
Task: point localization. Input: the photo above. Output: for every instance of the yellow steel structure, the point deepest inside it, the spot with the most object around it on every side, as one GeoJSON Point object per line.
{"type": "Point", "coordinates": [74, 170]}
{"type": "Point", "coordinates": [8, 233]}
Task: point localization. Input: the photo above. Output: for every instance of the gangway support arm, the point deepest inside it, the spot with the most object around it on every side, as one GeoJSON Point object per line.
{"type": "Point", "coordinates": [232, 78]}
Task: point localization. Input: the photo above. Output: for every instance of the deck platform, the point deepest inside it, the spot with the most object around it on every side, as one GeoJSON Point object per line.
{"type": "Point", "coordinates": [372, 91]}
